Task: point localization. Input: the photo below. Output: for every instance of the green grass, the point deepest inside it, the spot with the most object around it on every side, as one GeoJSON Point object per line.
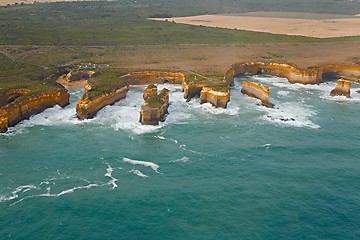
{"type": "Point", "coordinates": [16, 75]}
{"type": "Point", "coordinates": [104, 81]}
{"type": "Point", "coordinates": [124, 22]}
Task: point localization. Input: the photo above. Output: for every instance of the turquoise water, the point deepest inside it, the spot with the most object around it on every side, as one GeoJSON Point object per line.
{"type": "Point", "coordinates": [246, 172]}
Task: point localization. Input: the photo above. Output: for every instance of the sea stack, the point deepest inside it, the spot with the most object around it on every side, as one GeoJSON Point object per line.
{"type": "Point", "coordinates": [342, 88]}
{"type": "Point", "coordinates": [259, 91]}
{"type": "Point", "coordinates": [155, 107]}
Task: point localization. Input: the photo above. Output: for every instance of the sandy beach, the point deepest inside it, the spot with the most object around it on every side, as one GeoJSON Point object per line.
{"type": "Point", "coordinates": [320, 28]}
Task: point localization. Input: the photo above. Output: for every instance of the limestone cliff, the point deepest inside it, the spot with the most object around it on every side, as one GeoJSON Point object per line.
{"type": "Point", "coordinates": [79, 75]}
{"type": "Point", "coordinates": [257, 90]}
{"type": "Point", "coordinates": [29, 104]}
{"type": "Point", "coordinates": [92, 101]}
{"type": "Point", "coordinates": [155, 108]}
{"type": "Point", "coordinates": [342, 88]}
{"type": "Point", "coordinates": [150, 91]}
{"type": "Point", "coordinates": [336, 71]}
{"type": "Point", "coordinates": [148, 77]}
{"type": "Point", "coordinates": [212, 90]}
{"type": "Point", "coordinates": [286, 70]}
{"type": "Point", "coordinates": [294, 74]}
{"type": "Point", "coordinates": [216, 98]}
{"type": "Point", "coordinates": [7, 97]}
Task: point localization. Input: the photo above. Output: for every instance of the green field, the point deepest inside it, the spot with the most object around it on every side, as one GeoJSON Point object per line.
{"type": "Point", "coordinates": [125, 23]}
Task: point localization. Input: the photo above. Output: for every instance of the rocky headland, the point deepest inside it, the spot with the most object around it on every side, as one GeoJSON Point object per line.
{"type": "Point", "coordinates": [17, 105]}
{"type": "Point", "coordinates": [103, 90]}
{"type": "Point", "coordinates": [155, 107]}
{"type": "Point", "coordinates": [210, 89]}
{"type": "Point", "coordinates": [342, 88]}
{"type": "Point", "coordinates": [257, 90]}
{"type": "Point", "coordinates": [294, 74]}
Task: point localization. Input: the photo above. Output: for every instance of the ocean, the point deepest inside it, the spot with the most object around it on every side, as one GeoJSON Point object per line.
{"type": "Point", "coordinates": [245, 172]}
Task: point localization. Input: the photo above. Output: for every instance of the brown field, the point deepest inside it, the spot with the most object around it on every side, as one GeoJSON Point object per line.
{"type": "Point", "coordinates": [207, 59]}
{"type": "Point", "coordinates": [338, 26]}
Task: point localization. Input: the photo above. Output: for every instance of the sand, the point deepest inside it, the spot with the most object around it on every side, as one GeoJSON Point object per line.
{"type": "Point", "coordinates": [320, 28]}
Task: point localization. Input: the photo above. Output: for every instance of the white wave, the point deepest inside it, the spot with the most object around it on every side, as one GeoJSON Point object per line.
{"type": "Point", "coordinates": [108, 173]}
{"type": "Point", "coordinates": [283, 93]}
{"type": "Point", "coordinates": [207, 108]}
{"type": "Point", "coordinates": [183, 147]}
{"type": "Point", "coordinates": [71, 190]}
{"type": "Point", "coordinates": [16, 191]}
{"type": "Point", "coordinates": [290, 114]}
{"type": "Point", "coordinates": [183, 159]}
{"type": "Point", "coordinates": [138, 173]}
{"type": "Point", "coordinates": [64, 192]}
{"type": "Point", "coordinates": [154, 166]}
{"type": "Point", "coordinates": [160, 137]}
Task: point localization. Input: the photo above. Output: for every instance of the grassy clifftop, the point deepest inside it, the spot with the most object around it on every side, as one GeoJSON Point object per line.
{"type": "Point", "coordinates": [124, 22]}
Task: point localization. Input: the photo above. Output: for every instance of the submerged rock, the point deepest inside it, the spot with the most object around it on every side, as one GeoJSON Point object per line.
{"type": "Point", "coordinates": [259, 91]}
{"type": "Point", "coordinates": [155, 107]}
{"type": "Point", "coordinates": [342, 88]}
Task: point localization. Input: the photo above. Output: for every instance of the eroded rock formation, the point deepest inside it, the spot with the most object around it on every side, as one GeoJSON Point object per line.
{"type": "Point", "coordinates": [27, 104]}
{"type": "Point", "coordinates": [91, 102]}
{"type": "Point", "coordinates": [342, 88]}
{"type": "Point", "coordinates": [216, 98]}
{"type": "Point", "coordinates": [214, 91]}
{"type": "Point", "coordinates": [155, 107]}
{"type": "Point", "coordinates": [294, 74]}
{"type": "Point", "coordinates": [79, 75]}
{"type": "Point", "coordinates": [257, 90]}
{"type": "Point", "coordinates": [150, 91]}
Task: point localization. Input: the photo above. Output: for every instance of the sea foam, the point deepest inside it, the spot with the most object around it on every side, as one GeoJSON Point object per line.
{"type": "Point", "coordinates": [154, 166]}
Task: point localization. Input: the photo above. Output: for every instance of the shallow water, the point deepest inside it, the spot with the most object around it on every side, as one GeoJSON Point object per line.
{"type": "Point", "coordinates": [205, 173]}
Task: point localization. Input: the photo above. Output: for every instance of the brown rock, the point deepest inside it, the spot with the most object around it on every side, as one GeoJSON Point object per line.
{"type": "Point", "coordinates": [342, 88]}
{"type": "Point", "coordinates": [259, 91]}
{"type": "Point", "coordinates": [294, 74]}
{"type": "Point", "coordinates": [150, 91]}
{"type": "Point", "coordinates": [88, 106]}
{"type": "Point", "coordinates": [218, 98]}
{"type": "Point", "coordinates": [25, 106]}
{"type": "Point", "coordinates": [155, 108]}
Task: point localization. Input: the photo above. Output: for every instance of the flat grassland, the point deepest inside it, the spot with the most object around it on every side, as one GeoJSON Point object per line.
{"type": "Point", "coordinates": [311, 25]}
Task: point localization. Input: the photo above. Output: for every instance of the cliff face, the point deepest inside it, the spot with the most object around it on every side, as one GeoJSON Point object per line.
{"type": "Point", "coordinates": [27, 105]}
{"type": "Point", "coordinates": [289, 71]}
{"type": "Point", "coordinates": [150, 91]}
{"type": "Point", "coordinates": [78, 75]}
{"type": "Point", "coordinates": [342, 88]}
{"type": "Point", "coordinates": [148, 77]}
{"type": "Point", "coordinates": [216, 98]}
{"type": "Point", "coordinates": [9, 96]}
{"type": "Point", "coordinates": [89, 105]}
{"type": "Point", "coordinates": [259, 91]}
{"type": "Point", "coordinates": [336, 71]}
{"type": "Point", "coordinates": [155, 108]}
{"type": "Point", "coordinates": [293, 73]}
